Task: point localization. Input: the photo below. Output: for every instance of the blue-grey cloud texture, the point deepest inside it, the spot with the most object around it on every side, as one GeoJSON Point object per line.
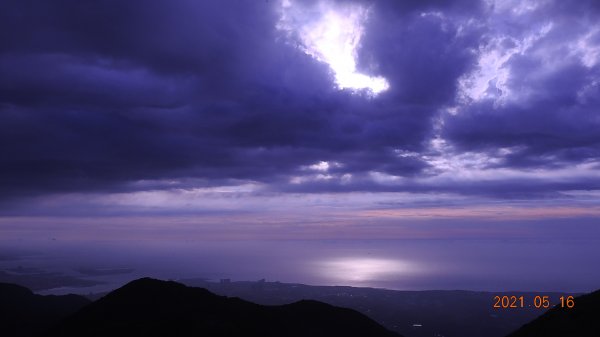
{"type": "Point", "coordinates": [496, 98]}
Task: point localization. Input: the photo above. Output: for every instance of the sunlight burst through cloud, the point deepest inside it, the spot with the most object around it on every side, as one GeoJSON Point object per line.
{"type": "Point", "coordinates": [331, 33]}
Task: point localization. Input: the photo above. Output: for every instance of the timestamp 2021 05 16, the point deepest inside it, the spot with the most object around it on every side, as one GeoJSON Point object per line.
{"type": "Point", "coordinates": [538, 302]}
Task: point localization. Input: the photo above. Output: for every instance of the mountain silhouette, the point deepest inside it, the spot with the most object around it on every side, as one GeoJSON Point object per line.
{"type": "Point", "coordinates": [429, 313]}
{"type": "Point", "coordinates": [583, 320]}
{"type": "Point", "coordinates": [23, 313]}
{"type": "Point", "coordinates": [148, 307]}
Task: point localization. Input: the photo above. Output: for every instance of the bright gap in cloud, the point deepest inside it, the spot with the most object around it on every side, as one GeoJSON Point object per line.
{"type": "Point", "coordinates": [331, 33]}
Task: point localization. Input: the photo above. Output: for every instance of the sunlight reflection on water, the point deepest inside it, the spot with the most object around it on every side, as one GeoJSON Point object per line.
{"type": "Point", "coordinates": [349, 270]}
{"type": "Point", "coordinates": [492, 265]}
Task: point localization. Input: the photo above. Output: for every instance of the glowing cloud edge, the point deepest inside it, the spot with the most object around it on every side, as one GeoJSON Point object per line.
{"type": "Point", "coordinates": [333, 37]}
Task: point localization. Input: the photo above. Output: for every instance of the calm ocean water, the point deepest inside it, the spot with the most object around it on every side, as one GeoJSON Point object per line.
{"type": "Point", "coordinates": [492, 265]}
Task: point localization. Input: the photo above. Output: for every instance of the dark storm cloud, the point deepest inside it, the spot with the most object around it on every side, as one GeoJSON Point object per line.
{"type": "Point", "coordinates": [98, 95]}
{"type": "Point", "coordinates": [422, 54]}
{"type": "Point", "coordinates": [95, 94]}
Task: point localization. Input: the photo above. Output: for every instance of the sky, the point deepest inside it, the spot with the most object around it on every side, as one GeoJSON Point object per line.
{"type": "Point", "coordinates": [282, 120]}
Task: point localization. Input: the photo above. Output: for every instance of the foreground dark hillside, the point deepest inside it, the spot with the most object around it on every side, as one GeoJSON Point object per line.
{"type": "Point", "coordinates": [22, 313]}
{"type": "Point", "coordinates": [148, 307]}
{"type": "Point", "coordinates": [445, 313]}
{"type": "Point", "coordinates": [583, 320]}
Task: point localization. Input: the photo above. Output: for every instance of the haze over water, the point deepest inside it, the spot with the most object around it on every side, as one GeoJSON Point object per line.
{"type": "Point", "coordinates": [398, 144]}
{"type": "Point", "coordinates": [395, 264]}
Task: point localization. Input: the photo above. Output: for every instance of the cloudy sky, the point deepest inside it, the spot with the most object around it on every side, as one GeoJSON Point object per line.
{"type": "Point", "coordinates": [311, 119]}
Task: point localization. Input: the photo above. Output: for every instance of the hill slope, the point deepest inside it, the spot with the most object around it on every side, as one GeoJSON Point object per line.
{"type": "Point", "coordinates": [148, 307]}
{"type": "Point", "coordinates": [446, 313]}
{"type": "Point", "coordinates": [583, 320]}
{"type": "Point", "coordinates": [22, 313]}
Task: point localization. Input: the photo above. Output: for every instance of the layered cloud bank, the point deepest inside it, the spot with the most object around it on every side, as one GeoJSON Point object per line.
{"type": "Point", "coordinates": [464, 100]}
